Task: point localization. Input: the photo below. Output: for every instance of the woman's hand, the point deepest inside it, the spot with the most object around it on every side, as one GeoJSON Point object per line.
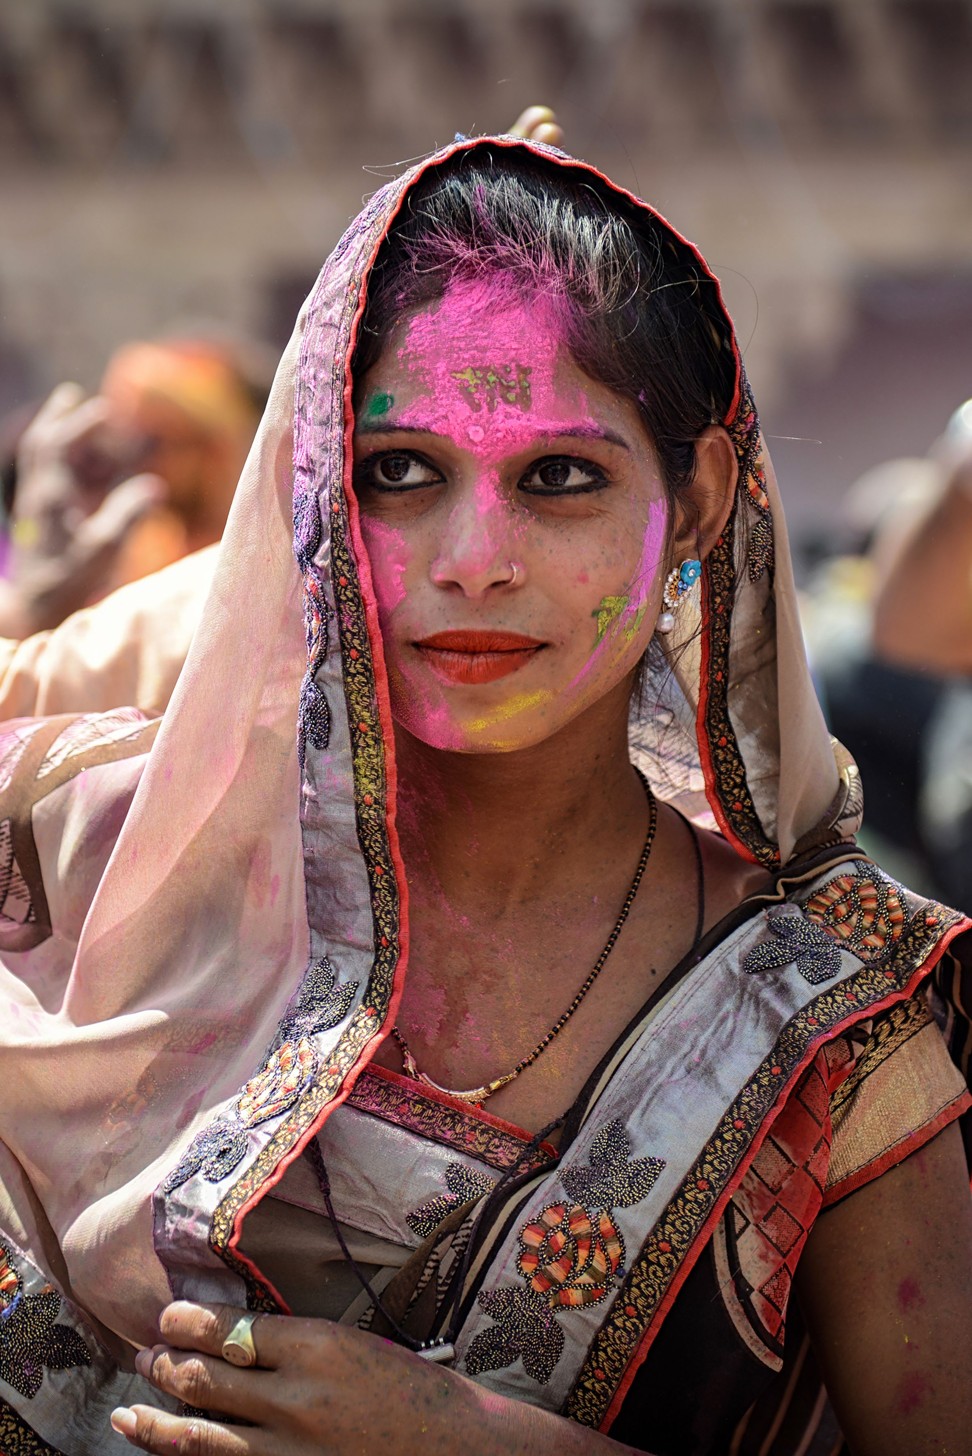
{"type": "Point", "coordinates": [323, 1388]}
{"type": "Point", "coordinates": [538, 124]}
{"type": "Point", "coordinates": [316, 1387]}
{"type": "Point", "coordinates": [78, 496]}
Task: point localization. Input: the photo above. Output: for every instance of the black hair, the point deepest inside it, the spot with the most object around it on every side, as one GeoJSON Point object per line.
{"type": "Point", "coordinates": [641, 314]}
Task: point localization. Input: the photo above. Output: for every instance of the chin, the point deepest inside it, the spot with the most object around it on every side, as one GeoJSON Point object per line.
{"type": "Point", "coordinates": [492, 731]}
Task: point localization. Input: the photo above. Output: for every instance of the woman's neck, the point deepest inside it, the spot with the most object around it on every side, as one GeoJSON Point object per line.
{"type": "Point", "coordinates": [502, 830]}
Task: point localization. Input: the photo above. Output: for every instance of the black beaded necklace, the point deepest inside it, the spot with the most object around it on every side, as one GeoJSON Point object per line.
{"type": "Point", "coordinates": [478, 1095]}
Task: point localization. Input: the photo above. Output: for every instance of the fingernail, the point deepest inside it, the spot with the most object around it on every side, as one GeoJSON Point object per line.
{"type": "Point", "coordinates": [143, 1363]}
{"type": "Point", "coordinates": [124, 1421]}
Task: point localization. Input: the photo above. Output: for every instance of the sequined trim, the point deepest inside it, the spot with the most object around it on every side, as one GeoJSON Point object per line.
{"type": "Point", "coordinates": [734, 802]}
{"type": "Point", "coordinates": [746, 437]}
{"type": "Point", "coordinates": [900, 1024]}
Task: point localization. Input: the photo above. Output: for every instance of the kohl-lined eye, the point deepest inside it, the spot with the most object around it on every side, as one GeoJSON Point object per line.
{"type": "Point", "coordinates": [395, 470]}
{"type": "Point", "coordinates": [563, 475]}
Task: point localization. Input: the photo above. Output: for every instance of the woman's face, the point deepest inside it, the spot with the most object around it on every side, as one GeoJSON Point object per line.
{"type": "Point", "coordinates": [515, 520]}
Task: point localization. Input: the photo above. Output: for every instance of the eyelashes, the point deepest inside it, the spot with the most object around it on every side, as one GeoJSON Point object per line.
{"type": "Point", "coordinates": [563, 475]}
{"type": "Point", "coordinates": [396, 472]}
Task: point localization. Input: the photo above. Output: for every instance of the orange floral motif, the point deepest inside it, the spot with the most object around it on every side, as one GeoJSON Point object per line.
{"type": "Point", "coordinates": [277, 1086]}
{"type": "Point", "coordinates": [568, 1256]}
{"type": "Point", "coordinates": [866, 914]}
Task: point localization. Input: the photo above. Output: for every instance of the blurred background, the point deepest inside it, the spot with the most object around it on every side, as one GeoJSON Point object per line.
{"type": "Point", "coordinates": [162, 160]}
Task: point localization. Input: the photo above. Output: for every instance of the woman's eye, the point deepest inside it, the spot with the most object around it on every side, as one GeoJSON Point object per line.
{"type": "Point", "coordinates": [396, 470]}
{"type": "Point", "coordinates": [563, 475]}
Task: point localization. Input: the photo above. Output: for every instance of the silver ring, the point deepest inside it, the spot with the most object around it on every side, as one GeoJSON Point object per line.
{"type": "Point", "coordinates": [238, 1347]}
{"type": "Point", "coordinates": [514, 569]}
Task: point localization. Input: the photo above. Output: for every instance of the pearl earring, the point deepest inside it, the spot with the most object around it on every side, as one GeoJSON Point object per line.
{"type": "Point", "coordinates": [679, 581]}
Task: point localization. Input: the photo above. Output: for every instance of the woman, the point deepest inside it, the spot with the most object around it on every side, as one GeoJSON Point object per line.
{"type": "Point", "coordinates": [520, 425]}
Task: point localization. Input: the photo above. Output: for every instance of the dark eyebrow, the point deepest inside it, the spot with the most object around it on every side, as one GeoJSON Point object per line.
{"type": "Point", "coordinates": [575, 432]}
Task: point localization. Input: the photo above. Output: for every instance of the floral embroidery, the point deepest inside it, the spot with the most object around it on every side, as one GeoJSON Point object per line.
{"type": "Point", "coordinates": [525, 1329]}
{"type": "Point", "coordinates": [681, 1222]}
{"type": "Point", "coordinates": [866, 914]}
{"type": "Point", "coordinates": [799, 942]}
{"type": "Point", "coordinates": [570, 1254]}
{"type": "Point", "coordinates": [314, 717]}
{"type": "Point", "coordinates": [320, 1003]}
{"type": "Point", "coordinates": [30, 1340]}
{"type": "Point", "coordinates": [611, 1180]}
{"type": "Point", "coordinates": [215, 1151]}
{"type": "Point", "coordinates": [277, 1087]}
{"type": "Point", "coordinates": [569, 1257]}
{"type": "Point", "coordinates": [463, 1184]}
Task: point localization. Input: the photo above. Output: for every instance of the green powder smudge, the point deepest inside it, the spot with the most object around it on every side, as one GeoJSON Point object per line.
{"type": "Point", "coordinates": [378, 405]}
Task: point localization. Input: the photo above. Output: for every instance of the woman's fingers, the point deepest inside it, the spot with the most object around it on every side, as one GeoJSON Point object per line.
{"type": "Point", "coordinates": [205, 1327]}
{"type": "Point", "coordinates": [206, 1382]}
{"type": "Point", "coordinates": [538, 124]}
{"type": "Point", "coordinates": [155, 1430]}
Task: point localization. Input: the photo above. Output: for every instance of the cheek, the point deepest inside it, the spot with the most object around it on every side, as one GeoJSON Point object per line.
{"type": "Point", "coordinates": [622, 620]}
{"type": "Point", "coordinates": [389, 555]}
{"type": "Point", "coordinates": [652, 552]}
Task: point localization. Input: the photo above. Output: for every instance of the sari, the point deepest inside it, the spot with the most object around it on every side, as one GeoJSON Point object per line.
{"type": "Point", "coordinates": [204, 939]}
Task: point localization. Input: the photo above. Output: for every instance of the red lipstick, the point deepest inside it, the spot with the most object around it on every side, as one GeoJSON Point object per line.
{"type": "Point", "coordinates": [477, 657]}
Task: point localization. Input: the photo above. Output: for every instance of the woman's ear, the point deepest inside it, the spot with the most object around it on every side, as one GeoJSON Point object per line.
{"type": "Point", "coordinates": [703, 508]}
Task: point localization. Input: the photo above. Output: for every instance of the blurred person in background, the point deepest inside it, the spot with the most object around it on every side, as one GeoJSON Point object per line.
{"type": "Point", "coordinates": [923, 626]}
{"type": "Point", "coordinates": [880, 711]}
{"type": "Point", "coordinates": [105, 491]}
{"type": "Point", "coordinates": [923, 613]}
{"type": "Point", "coordinates": [111, 488]}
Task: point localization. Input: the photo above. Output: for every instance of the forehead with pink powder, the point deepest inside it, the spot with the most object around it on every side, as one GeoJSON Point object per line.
{"type": "Point", "coordinates": [487, 358]}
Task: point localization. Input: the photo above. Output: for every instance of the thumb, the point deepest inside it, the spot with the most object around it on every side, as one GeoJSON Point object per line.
{"type": "Point", "coordinates": [106, 528]}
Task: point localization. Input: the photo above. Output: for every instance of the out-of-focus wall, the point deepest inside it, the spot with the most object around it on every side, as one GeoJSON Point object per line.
{"type": "Point", "coordinates": [168, 158]}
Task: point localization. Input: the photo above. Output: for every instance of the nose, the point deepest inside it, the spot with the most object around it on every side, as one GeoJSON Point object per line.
{"type": "Point", "coordinates": [477, 546]}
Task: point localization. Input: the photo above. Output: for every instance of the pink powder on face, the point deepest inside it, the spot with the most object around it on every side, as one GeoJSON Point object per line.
{"type": "Point", "coordinates": [484, 359]}
{"type": "Point", "coordinates": [485, 374]}
{"type": "Point", "coordinates": [389, 555]}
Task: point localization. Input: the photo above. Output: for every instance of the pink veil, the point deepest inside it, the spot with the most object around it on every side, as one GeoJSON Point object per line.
{"type": "Point", "coordinates": [204, 923]}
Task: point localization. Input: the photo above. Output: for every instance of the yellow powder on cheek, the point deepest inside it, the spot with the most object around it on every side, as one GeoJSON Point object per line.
{"type": "Point", "coordinates": [521, 703]}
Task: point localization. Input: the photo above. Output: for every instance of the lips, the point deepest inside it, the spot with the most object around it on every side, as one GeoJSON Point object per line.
{"type": "Point", "coordinates": [477, 657]}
